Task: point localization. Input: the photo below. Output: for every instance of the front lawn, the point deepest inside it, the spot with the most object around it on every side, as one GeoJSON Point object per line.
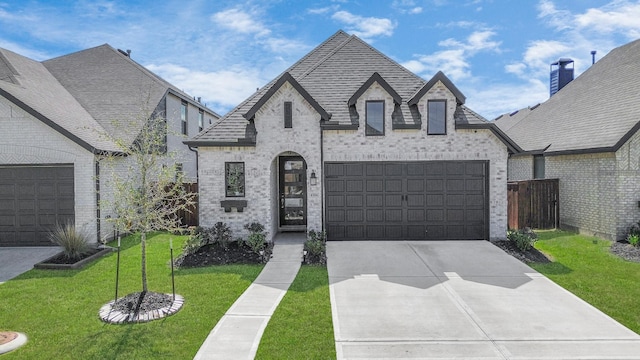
{"type": "Point", "coordinates": [302, 327]}
{"type": "Point", "coordinates": [584, 266]}
{"type": "Point", "coordinates": [58, 309]}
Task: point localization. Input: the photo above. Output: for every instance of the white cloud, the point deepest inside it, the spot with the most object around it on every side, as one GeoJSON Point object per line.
{"type": "Point", "coordinates": [365, 27]}
{"type": "Point", "coordinates": [225, 88]}
{"type": "Point", "coordinates": [622, 17]}
{"type": "Point", "coordinates": [407, 6]}
{"type": "Point", "coordinates": [323, 10]}
{"type": "Point", "coordinates": [496, 99]}
{"type": "Point", "coordinates": [240, 21]}
{"type": "Point", "coordinates": [453, 61]}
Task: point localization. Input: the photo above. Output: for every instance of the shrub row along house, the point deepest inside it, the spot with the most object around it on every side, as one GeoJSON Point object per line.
{"type": "Point", "coordinates": [59, 118]}
{"type": "Point", "coordinates": [586, 135]}
{"type": "Point", "coordinates": [349, 141]}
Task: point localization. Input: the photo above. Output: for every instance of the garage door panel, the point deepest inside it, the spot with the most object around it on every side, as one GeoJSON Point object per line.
{"type": "Point", "coordinates": [375, 185]}
{"type": "Point", "coordinates": [375, 201]}
{"type": "Point", "coordinates": [25, 191]}
{"type": "Point", "coordinates": [375, 215]}
{"type": "Point", "coordinates": [354, 186]}
{"type": "Point", "coordinates": [393, 200]}
{"type": "Point", "coordinates": [415, 185]}
{"type": "Point", "coordinates": [415, 200]}
{"type": "Point", "coordinates": [335, 200]}
{"type": "Point", "coordinates": [8, 220]}
{"type": "Point", "coordinates": [416, 215]}
{"type": "Point", "coordinates": [456, 200]}
{"type": "Point", "coordinates": [393, 232]}
{"type": "Point", "coordinates": [393, 216]}
{"type": "Point", "coordinates": [435, 200]}
{"type": "Point", "coordinates": [7, 204]}
{"type": "Point", "coordinates": [336, 215]}
{"type": "Point", "coordinates": [336, 186]}
{"type": "Point", "coordinates": [435, 215]}
{"type": "Point", "coordinates": [415, 169]}
{"type": "Point", "coordinates": [333, 170]}
{"type": "Point", "coordinates": [354, 169]}
{"type": "Point", "coordinates": [354, 201]}
{"type": "Point", "coordinates": [408, 200]}
{"type": "Point", "coordinates": [26, 221]}
{"type": "Point", "coordinates": [355, 215]}
{"type": "Point", "coordinates": [393, 185]}
{"type": "Point", "coordinates": [47, 189]}
{"type": "Point", "coordinates": [435, 185]}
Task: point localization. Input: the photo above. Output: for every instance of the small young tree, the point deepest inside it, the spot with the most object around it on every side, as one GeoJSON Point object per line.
{"type": "Point", "coordinates": [147, 189]}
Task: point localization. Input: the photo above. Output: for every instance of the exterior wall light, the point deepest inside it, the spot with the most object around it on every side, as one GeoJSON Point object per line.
{"type": "Point", "coordinates": [313, 180]}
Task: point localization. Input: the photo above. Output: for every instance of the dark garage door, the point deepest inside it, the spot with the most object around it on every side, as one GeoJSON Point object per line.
{"type": "Point", "coordinates": [32, 200]}
{"type": "Point", "coordinates": [435, 200]}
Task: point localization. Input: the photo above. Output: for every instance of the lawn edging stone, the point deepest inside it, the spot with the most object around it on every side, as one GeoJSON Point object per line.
{"type": "Point", "coordinates": [108, 315]}
{"type": "Point", "coordinates": [47, 264]}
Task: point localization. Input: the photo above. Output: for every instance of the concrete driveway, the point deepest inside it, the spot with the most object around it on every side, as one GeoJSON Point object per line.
{"type": "Point", "coordinates": [16, 260]}
{"type": "Point", "coordinates": [460, 300]}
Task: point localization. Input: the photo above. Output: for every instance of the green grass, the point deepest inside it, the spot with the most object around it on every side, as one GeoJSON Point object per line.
{"type": "Point", "coordinates": [301, 327]}
{"type": "Point", "coordinates": [584, 266]}
{"type": "Point", "coordinates": [58, 309]}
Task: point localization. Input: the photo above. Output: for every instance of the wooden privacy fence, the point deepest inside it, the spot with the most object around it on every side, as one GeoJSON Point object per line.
{"type": "Point", "coordinates": [190, 218]}
{"type": "Point", "coordinates": [533, 204]}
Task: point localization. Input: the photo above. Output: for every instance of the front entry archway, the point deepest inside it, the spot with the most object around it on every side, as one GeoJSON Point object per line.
{"type": "Point", "coordinates": [292, 193]}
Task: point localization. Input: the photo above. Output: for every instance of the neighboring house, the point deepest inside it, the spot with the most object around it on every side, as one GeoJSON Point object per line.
{"type": "Point", "coordinates": [57, 120]}
{"type": "Point", "coordinates": [586, 135]}
{"type": "Point", "coordinates": [349, 141]}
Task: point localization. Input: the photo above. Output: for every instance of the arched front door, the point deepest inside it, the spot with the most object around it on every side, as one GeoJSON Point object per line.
{"type": "Point", "coordinates": [293, 192]}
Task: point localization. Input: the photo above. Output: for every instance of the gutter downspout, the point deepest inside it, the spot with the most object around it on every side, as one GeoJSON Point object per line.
{"type": "Point", "coordinates": [97, 174]}
{"type": "Point", "coordinates": [322, 178]}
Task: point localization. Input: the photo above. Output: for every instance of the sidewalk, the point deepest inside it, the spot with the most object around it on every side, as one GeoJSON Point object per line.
{"type": "Point", "coordinates": [237, 334]}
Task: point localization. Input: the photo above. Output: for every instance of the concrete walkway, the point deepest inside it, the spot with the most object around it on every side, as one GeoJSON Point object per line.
{"type": "Point", "coordinates": [237, 335]}
{"type": "Point", "coordinates": [460, 300]}
{"type": "Point", "coordinates": [17, 260]}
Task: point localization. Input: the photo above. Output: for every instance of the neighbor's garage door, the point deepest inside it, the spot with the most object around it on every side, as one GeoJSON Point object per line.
{"type": "Point", "coordinates": [435, 200]}
{"type": "Point", "coordinates": [32, 200]}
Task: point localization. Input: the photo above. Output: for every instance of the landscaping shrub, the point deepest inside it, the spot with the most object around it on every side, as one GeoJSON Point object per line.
{"type": "Point", "coordinates": [221, 233]}
{"type": "Point", "coordinates": [257, 237]}
{"type": "Point", "coordinates": [74, 242]}
{"type": "Point", "coordinates": [316, 247]}
{"type": "Point", "coordinates": [523, 238]}
{"type": "Point", "coordinates": [633, 236]}
{"type": "Point", "coordinates": [196, 239]}
{"type": "Point", "coordinates": [634, 240]}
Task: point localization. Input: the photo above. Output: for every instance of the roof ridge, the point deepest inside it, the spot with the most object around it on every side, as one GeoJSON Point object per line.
{"type": "Point", "coordinates": [391, 60]}
{"type": "Point", "coordinates": [326, 57]}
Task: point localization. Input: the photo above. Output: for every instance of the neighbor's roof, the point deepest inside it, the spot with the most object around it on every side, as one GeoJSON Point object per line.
{"type": "Point", "coordinates": [113, 88]}
{"type": "Point", "coordinates": [596, 112]}
{"type": "Point", "coordinates": [28, 84]}
{"type": "Point", "coordinates": [333, 74]}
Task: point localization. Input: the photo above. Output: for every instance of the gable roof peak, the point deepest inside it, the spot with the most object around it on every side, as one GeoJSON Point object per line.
{"type": "Point", "coordinates": [376, 77]}
{"type": "Point", "coordinates": [284, 78]}
{"type": "Point", "coordinates": [439, 76]}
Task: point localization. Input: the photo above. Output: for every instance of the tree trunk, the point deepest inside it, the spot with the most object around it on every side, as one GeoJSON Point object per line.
{"type": "Point", "coordinates": [143, 260]}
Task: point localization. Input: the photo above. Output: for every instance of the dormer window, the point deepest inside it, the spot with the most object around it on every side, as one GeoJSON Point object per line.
{"type": "Point", "coordinates": [437, 117]}
{"type": "Point", "coordinates": [288, 115]}
{"type": "Point", "coordinates": [375, 118]}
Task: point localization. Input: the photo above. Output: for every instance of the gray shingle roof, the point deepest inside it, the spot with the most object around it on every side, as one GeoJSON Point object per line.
{"type": "Point", "coordinates": [38, 92]}
{"type": "Point", "coordinates": [113, 88]}
{"type": "Point", "coordinates": [595, 112]}
{"type": "Point", "coordinates": [332, 73]}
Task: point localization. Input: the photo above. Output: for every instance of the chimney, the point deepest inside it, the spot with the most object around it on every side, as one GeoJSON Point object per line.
{"type": "Point", "coordinates": [560, 75]}
{"type": "Point", "coordinates": [593, 57]}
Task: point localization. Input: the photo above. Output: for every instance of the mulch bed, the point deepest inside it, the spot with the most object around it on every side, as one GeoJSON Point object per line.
{"type": "Point", "coordinates": [7, 336]}
{"type": "Point", "coordinates": [315, 259]}
{"type": "Point", "coordinates": [62, 259]}
{"type": "Point", "coordinates": [530, 256]}
{"type": "Point", "coordinates": [135, 302]}
{"type": "Point", "coordinates": [236, 252]}
{"type": "Point", "coordinates": [626, 251]}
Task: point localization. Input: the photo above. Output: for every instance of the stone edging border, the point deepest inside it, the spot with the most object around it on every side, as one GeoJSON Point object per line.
{"type": "Point", "coordinates": [118, 317]}
{"type": "Point", "coordinates": [78, 265]}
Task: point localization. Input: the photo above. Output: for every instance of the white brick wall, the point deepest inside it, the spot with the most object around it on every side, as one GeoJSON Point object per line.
{"type": "Point", "coordinates": [520, 168]}
{"type": "Point", "coordinates": [340, 145]}
{"type": "Point", "coordinates": [26, 140]}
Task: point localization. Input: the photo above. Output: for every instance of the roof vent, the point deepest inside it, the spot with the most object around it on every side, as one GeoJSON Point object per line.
{"type": "Point", "coordinates": [560, 75]}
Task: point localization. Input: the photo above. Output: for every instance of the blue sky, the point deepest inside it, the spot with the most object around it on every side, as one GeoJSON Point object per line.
{"type": "Point", "coordinates": [496, 52]}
